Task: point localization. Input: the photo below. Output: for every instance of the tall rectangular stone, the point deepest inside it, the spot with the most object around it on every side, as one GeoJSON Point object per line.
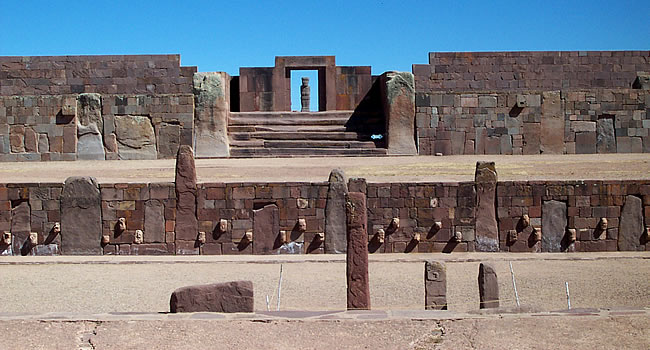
{"type": "Point", "coordinates": [552, 123]}
{"type": "Point", "coordinates": [631, 229]}
{"type": "Point", "coordinates": [335, 220]}
{"type": "Point", "coordinates": [266, 228]}
{"type": "Point", "coordinates": [358, 286]}
{"type": "Point", "coordinates": [212, 107]}
{"type": "Point", "coordinates": [605, 137]}
{"type": "Point", "coordinates": [487, 230]}
{"type": "Point", "coordinates": [154, 221]}
{"type": "Point", "coordinates": [554, 223]}
{"type": "Point", "coordinates": [90, 126]}
{"type": "Point", "coordinates": [435, 285]}
{"type": "Point", "coordinates": [488, 286]}
{"type": "Point", "coordinates": [20, 227]}
{"type": "Point", "coordinates": [187, 226]}
{"type": "Point", "coordinates": [81, 217]}
{"type": "Point", "coordinates": [398, 98]}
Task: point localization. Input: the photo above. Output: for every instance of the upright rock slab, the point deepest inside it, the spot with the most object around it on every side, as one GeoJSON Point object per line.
{"type": "Point", "coordinates": [554, 222]}
{"type": "Point", "coordinates": [81, 217]}
{"type": "Point", "coordinates": [266, 227]}
{"type": "Point", "coordinates": [20, 227]}
{"type": "Point", "coordinates": [398, 96]}
{"type": "Point", "coordinates": [487, 230]}
{"type": "Point", "coordinates": [135, 137]}
{"type": "Point", "coordinates": [335, 219]}
{"type": "Point", "coordinates": [488, 286]}
{"type": "Point", "coordinates": [187, 226]}
{"type": "Point", "coordinates": [154, 221]}
{"type": "Point", "coordinates": [435, 286]}
{"type": "Point", "coordinates": [228, 297]}
{"type": "Point", "coordinates": [552, 123]}
{"type": "Point", "coordinates": [212, 106]}
{"type": "Point", "coordinates": [90, 143]}
{"type": "Point", "coordinates": [630, 231]}
{"type": "Point", "coordinates": [358, 291]}
{"type": "Point", "coordinates": [605, 138]}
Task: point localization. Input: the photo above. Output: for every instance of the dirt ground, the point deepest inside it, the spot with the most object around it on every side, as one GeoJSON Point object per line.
{"type": "Point", "coordinates": [374, 169]}
{"type": "Point", "coordinates": [143, 285]}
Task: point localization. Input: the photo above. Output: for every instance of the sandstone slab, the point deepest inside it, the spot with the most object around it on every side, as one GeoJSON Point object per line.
{"type": "Point", "coordinates": [135, 137]}
{"type": "Point", "coordinates": [487, 230]}
{"type": "Point", "coordinates": [358, 283]}
{"type": "Point", "coordinates": [631, 229]}
{"type": "Point", "coordinates": [81, 217]}
{"type": "Point", "coordinates": [335, 219]}
{"type": "Point", "coordinates": [227, 297]}
{"type": "Point", "coordinates": [90, 144]}
{"type": "Point", "coordinates": [552, 123]}
{"type": "Point", "coordinates": [605, 137]}
{"type": "Point", "coordinates": [398, 94]}
{"type": "Point", "coordinates": [187, 226]}
{"type": "Point", "coordinates": [266, 227]}
{"type": "Point", "coordinates": [488, 286]}
{"type": "Point", "coordinates": [212, 106]}
{"type": "Point", "coordinates": [554, 224]}
{"type": "Point", "coordinates": [435, 285]}
{"type": "Point", "coordinates": [154, 221]}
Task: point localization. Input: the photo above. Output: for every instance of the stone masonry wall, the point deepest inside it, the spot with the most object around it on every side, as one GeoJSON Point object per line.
{"type": "Point", "coordinates": [430, 215]}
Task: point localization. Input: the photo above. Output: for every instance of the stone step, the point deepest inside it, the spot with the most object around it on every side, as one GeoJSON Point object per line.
{"type": "Point", "coordinates": [298, 135]}
{"type": "Point", "coordinates": [282, 115]}
{"type": "Point", "coordinates": [301, 152]}
{"type": "Point", "coordinates": [286, 121]}
{"type": "Point", "coordinates": [285, 128]}
{"type": "Point", "coordinates": [302, 144]}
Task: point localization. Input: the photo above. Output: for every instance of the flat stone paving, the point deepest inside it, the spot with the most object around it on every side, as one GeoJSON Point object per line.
{"type": "Point", "coordinates": [374, 169]}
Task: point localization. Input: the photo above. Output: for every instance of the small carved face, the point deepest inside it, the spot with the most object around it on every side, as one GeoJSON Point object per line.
{"type": "Point", "coordinates": [525, 221]}
{"type": "Point", "coordinates": [248, 236]}
{"type": "Point", "coordinates": [571, 235]}
{"type": "Point", "coordinates": [602, 224]}
{"type": "Point", "coordinates": [458, 237]}
{"type": "Point", "coordinates": [537, 234]}
{"type": "Point", "coordinates": [302, 225]}
{"type": "Point", "coordinates": [319, 237]}
{"type": "Point", "coordinates": [56, 229]}
{"type": "Point", "coordinates": [416, 237]}
{"type": "Point", "coordinates": [33, 238]}
{"type": "Point", "coordinates": [512, 236]}
{"type": "Point", "coordinates": [223, 225]}
{"type": "Point", "coordinates": [380, 235]}
{"type": "Point", "coordinates": [6, 238]}
{"type": "Point", "coordinates": [120, 225]}
{"type": "Point", "coordinates": [106, 239]}
{"type": "Point", "coordinates": [201, 238]}
{"type": "Point", "coordinates": [437, 226]}
{"type": "Point", "coordinates": [139, 237]}
{"type": "Point", "coordinates": [394, 224]}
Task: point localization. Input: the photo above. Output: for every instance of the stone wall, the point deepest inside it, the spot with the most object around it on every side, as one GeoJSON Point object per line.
{"type": "Point", "coordinates": [532, 217]}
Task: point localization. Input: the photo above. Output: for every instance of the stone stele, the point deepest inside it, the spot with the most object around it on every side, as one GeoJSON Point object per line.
{"type": "Point", "coordinates": [435, 285]}
{"type": "Point", "coordinates": [488, 286]}
{"type": "Point", "coordinates": [81, 217]}
{"type": "Point", "coordinates": [398, 94]}
{"type": "Point", "coordinates": [335, 221]}
{"type": "Point", "coordinates": [358, 292]}
{"type": "Point", "coordinates": [487, 231]}
{"type": "Point", "coordinates": [212, 106]}
{"type": "Point", "coordinates": [187, 226]}
{"type": "Point", "coordinates": [227, 297]}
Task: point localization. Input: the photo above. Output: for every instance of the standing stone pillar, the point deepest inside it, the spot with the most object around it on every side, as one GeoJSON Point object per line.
{"type": "Point", "coordinates": [305, 92]}
{"type": "Point", "coordinates": [81, 217]}
{"type": "Point", "coordinates": [487, 230]}
{"type": "Point", "coordinates": [552, 123]}
{"type": "Point", "coordinates": [90, 126]}
{"type": "Point", "coordinates": [398, 99]}
{"type": "Point", "coordinates": [266, 227]}
{"type": "Point", "coordinates": [435, 286]}
{"type": "Point", "coordinates": [335, 219]}
{"type": "Point", "coordinates": [211, 110]}
{"type": "Point", "coordinates": [630, 229]}
{"type": "Point", "coordinates": [357, 258]}
{"type": "Point", "coordinates": [554, 223]}
{"type": "Point", "coordinates": [488, 286]}
{"type": "Point", "coordinates": [187, 226]}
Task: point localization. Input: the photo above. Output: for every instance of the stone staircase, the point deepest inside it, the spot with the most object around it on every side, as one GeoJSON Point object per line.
{"type": "Point", "coordinates": [298, 134]}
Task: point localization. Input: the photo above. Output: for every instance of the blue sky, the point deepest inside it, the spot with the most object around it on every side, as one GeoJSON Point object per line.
{"type": "Point", "coordinates": [387, 35]}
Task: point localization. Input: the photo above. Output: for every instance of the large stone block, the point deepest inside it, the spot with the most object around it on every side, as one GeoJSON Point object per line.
{"type": "Point", "coordinates": [554, 224]}
{"type": "Point", "coordinates": [552, 123]}
{"type": "Point", "coordinates": [212, 107]}
{"type": "Point", "coordinates": [90, 144]}
{"type": "Point", "coordinates": [398, 95]}
{"type": "Point", "coordinates": [227, 297]}
{"type": "Point", "coordinates": [187, 226]}
{"type": "Point", "coordinates": [358, 285]}
{"type": "Point", "coordinates": [605, 137]}
{"type": "Point", "coordinates": [154, 221]}
{"type": "Point", "coordinates": [169, 139]}
{"type": "Point", "coordinates": [435, 285]}
{"type": "Point", "coordinates": [81, 217]}
{"type": "Point", "coordinates": [335, 221]}
{"type": "Point", "coordinates": [266, 228]}
{"type": "Point", "coordinates": [487, 230]}
{"type": "Point", "coordinates": [488, 286]}
{"type": "Point", "coordinates": [631, 229]}
{"type": "Point", "coordinates": [135, 137]}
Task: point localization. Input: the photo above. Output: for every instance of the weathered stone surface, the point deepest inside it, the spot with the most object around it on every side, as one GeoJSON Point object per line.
{"type": "Point", "coordinates": [487, 231]}
{"type": "Point", "coordinates": [266, 227]}
{"type": "Point", "coordinates": [358, 291]}
{"type": "Point", "coordinates": [43, 143]}
{"type": "Point", "coordinates": [212, 106]}
{"type": "Point", "coordinates": [488, 286]}
{"type": "Point", "coordinates": [228, 297]}
{"type": "Point", "coordinates": [31, 140]}
{"type": "Point", "coordinates": [154, 221]}
{"type": "Point", "coordinates": [135, 137]}
{"type": "Point", "coordinates": [398, 94]}
{"type": "Point", "coordinates": [631, 229]}
{"type": "Point", "coordinates": [17, 138]}
{"type": "Point", "coordinates": [435, 285]}
{"type": "Point", "coordinates": [605, 138]}
{"type": "Point", "coordinates": [169, 139]}
{"type": "Point", "coordinates": [187, 226]}
{"type": "Point", "coordinates": [90, 144]}
{"type": "Point", "coordinates": [305, 92]}
{"type": "Point", "coordinates": [642, 81]}
{"type": "Point", "coordinates": [81, 217]}
{"type": "Point", "coordinates": [20, 227]}
{"type": "Point", "coordinates": [335, 221]}
{"type": "Point", "coordinates": [586, 142]}
{"type": "Point", "coordinates": [554, 222]}
{"type": "Point", "coordinates": [552, 123]}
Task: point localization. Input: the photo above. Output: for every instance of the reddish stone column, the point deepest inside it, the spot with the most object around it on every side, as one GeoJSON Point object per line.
{"type": "Point", "coordinates": [487, 229]}
{"type": "Point", "coordinates": [488, 286]}
{"type": "Point", "coordinates": [187, 226]}
{"type": "Point", "coordinates": [357, 252]}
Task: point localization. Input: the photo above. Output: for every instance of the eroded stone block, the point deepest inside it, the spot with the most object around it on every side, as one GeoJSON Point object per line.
{"type": "Point", "coordinates": [435, 285]}
{"type": "Point", "coordinates": [135, 137]}
{"type": "Point", "coordinates": [487, 231]}
{"type": "Point", "coordinates": [227, 297]}
{"type": "Point", "coordinates": [554, 223]}
{"type": "Point", "coordinates": [81, 218]}
{"type": "Point", "coordinates": [488, 286]}
{"type": "Point", "coordinates": [335, 224]}
{"type": "Point", "coordinates": [631, 228]}
{"type": "Point", "coordinates": [358, 286]}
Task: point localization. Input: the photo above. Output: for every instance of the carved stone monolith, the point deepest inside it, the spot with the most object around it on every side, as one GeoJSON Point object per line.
{"type": "Point", "coordinates": [305, 92]}
{"type": "Point", "coordinates": [487, 230]}
{"type": "Point", "coordinates": [335, 221]}
{"type": "Point", "coordinates": [435, 285]}
{"type": "Point", "coordinates": [187, 226]}
{"type": "Point", "coordinates": [81, 217]}
{"type": "Point", "coordinates": [488, 286]}
{"type": "Point", "coordinates": [358, 290]}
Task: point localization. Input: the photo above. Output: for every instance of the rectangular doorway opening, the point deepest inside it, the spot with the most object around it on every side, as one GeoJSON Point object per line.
{"type": "Point", "coordinates": [296, 83]}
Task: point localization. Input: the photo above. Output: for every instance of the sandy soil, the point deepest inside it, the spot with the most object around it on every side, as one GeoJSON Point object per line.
{"type": "Point", "coordinates": [374, 169]}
